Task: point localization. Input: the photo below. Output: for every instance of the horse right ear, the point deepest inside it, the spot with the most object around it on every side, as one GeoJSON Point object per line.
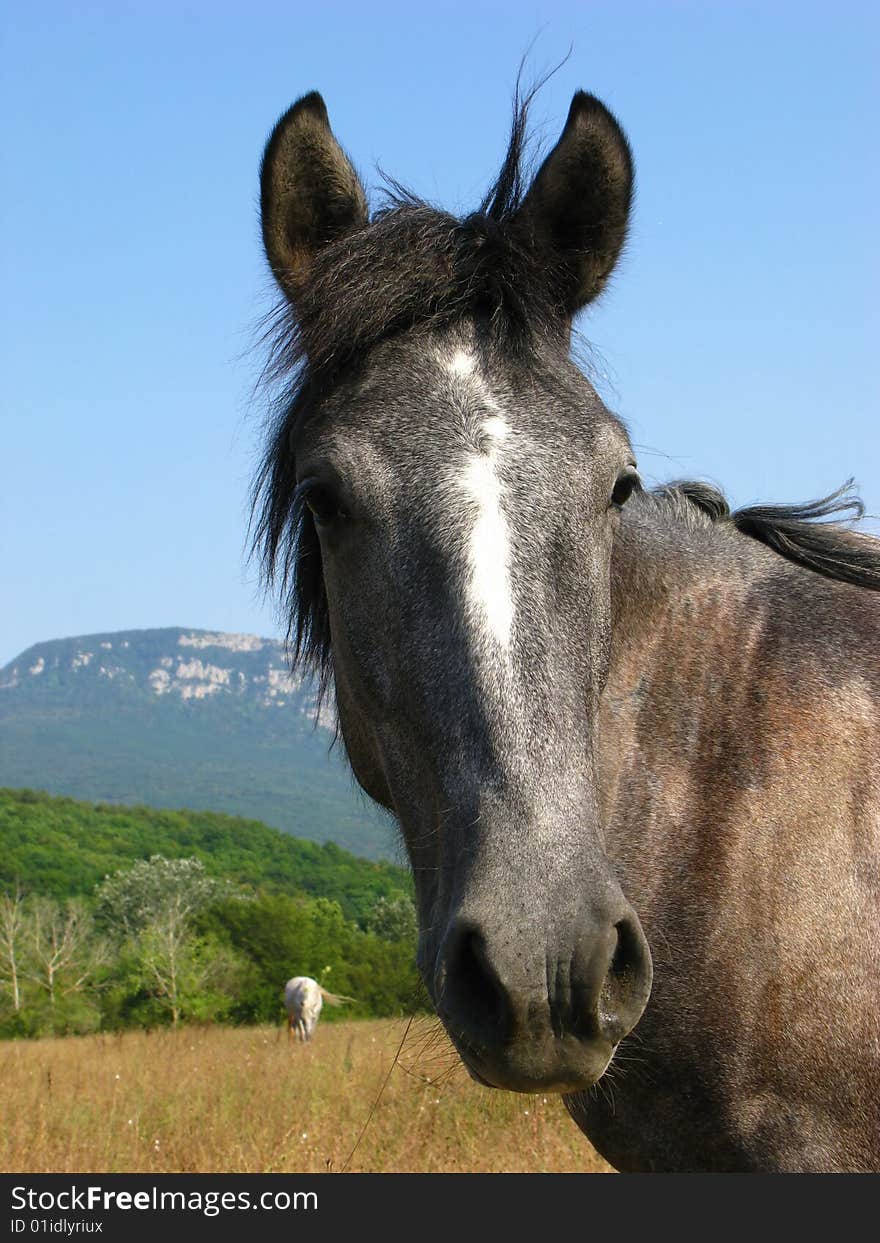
{"type": "Point", "coordinates": [310, 194]}
{"type": "Point", "coordinates": [577, 209]}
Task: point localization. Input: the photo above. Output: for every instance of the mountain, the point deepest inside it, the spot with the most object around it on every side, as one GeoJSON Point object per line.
{"type": "Point", "coordinates": [183, 718]}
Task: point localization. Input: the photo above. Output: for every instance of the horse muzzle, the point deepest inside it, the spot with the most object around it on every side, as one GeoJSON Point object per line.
{"type": "Point", "coordinates": [551, 1024]}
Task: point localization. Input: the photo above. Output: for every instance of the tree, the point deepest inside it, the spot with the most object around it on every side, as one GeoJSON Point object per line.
{"type": "Point", "coordinates": [151, 907]}
{"type": "Point", "coordinates": [189, 976]}
{"type": "Point", "coordinates": [63, 952]}
{"type": "Point", "coordinates": [156, 891]}
{"type": "Point", "coordinates": [393, 919]}
{"type": "Point", "coordinates": [12, 929]}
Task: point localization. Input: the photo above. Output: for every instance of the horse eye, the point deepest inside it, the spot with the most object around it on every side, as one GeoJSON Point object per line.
{"type": "Point", "coordinates": [627, 482]}
{"type": "Point", "coordinates": [322, 503]}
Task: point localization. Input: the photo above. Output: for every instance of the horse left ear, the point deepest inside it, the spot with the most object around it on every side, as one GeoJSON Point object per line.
{"type": "Point", "coordinates": [577, 209]}
{"type": "Point", "coordinates": [310, 194]}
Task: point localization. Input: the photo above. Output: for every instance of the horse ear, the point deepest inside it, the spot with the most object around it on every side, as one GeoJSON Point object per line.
{"type": "Point", "coordinates": [309, 193]}
{"type": "Point", "coordinates": [577, 208]}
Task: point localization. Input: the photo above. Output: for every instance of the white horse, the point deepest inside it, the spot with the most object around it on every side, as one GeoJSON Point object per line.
{"type": "Point", "coordinates": [304, 999]}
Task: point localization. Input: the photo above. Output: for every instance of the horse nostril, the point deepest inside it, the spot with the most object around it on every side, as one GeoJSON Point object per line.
{"type": "Point", "coordinates": [627, 982]}
{"type": "Point", "coordinates": [472, 991]}
{"type": "Point", "coordinates": [597, 996]}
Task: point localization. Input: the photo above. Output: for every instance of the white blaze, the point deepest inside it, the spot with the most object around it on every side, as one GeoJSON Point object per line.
{"type": "Point", "coordinates": [489, 549]}
{"type": "Point", "coordinates": [461, 363]}
{"type": "Point", "coordinates": [489, 594]}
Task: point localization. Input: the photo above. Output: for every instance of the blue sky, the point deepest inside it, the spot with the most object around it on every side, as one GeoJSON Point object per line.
{"type": "Point", "coordinates": [738, 340]}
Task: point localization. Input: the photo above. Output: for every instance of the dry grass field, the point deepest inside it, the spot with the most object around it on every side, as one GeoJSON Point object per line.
{"type": "Point", "coordinates": [242, 1100]}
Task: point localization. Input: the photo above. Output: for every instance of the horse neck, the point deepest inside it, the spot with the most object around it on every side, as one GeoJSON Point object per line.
{"type": "Point", "coordinates": [684, 627]}
{"type": "Point", "coordinates": [681, 589]}
{"type": "Point", "coordinates": [739, 709]}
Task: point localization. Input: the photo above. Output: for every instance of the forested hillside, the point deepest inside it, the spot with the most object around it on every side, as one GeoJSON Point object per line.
{"type": "Point", "coordinates": [64, 847]}
{"type": "Point", "coordinates": [115, 917]}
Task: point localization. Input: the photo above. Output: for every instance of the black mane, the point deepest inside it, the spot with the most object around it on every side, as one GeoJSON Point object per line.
{"type": "Point", "coordinates": [796, 532]}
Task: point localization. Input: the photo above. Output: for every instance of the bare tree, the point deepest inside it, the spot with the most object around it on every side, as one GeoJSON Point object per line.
{"type": "Point", "coordinates": [64, 954]}
{"type": "Point", "coordinates": [12, 931]}
{"type": "Point", "coordinates": [165, 957]}
{"type": "Point", "coordinates": [178, 967]}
